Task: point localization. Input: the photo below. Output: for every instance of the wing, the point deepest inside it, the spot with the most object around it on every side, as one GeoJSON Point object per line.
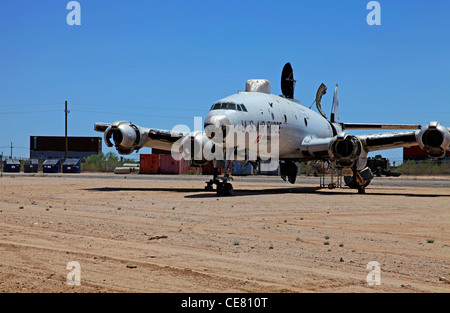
{"type": "Point", "coordinates": [128, 137]}
{"type": "Point", "coordinates": [378, 126]}
{"type": "Point", "coordinates": [392, 140]}
{"type": "Point", "coordinates": [345, 149]}
{"type": "Point", "coordinates": [433, 138]}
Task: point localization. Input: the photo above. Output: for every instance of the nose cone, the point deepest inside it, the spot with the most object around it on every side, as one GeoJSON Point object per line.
{"type": "Point", "coordinates": [216, 124]}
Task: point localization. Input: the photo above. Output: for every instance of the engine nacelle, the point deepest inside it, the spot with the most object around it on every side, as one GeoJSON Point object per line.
{"type": "Point", "coordinates": [345, 150]}
{"type": "Point", "coordinates": [126, 137]}
{"type": "Point", "coordinates": [434, 139]}
{"type": "Point", "coordinates": [192, 147]}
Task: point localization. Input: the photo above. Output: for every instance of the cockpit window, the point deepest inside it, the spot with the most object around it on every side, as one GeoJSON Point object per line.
{"type": "Point", "coordinates": [228, 106]}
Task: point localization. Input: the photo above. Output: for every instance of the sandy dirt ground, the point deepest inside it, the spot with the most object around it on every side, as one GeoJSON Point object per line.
{"type": "Point", "coordinates": [159, 234]}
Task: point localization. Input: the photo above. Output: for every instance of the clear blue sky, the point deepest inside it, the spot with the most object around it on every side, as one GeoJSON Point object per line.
{"type": "Point", "coordinates": [160, 63]}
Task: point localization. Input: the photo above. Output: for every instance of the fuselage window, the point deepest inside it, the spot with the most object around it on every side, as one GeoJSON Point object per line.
{"type": "Point", "coordinates": [306, 122]}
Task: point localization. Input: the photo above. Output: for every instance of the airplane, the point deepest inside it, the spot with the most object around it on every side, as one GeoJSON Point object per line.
{"type": "Point", "coordinates": [298, 133]}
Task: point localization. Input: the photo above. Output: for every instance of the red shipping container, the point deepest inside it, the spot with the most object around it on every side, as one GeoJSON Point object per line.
{"type": "Point", "coordinates": [149, 164]}
{"type": "Point", "coordinates": [208, 169]}
{"type": "Point", "coordinates": [415, 152]}
{"type": "Point", "coordinates": [168, 165]}
{"type": "Point", "coordinates": [193, 170]}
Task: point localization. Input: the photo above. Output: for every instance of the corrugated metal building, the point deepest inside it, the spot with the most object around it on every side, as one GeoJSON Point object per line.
{"type": "Point", "coordinates": [54, 147]}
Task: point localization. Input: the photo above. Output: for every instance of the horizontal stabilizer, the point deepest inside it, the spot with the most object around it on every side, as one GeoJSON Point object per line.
{"type": "Point", "coordinates": [378, 126]}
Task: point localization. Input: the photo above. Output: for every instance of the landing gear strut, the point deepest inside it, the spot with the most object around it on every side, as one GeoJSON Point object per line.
{"type": "Point", "coordinates": [224, 188]}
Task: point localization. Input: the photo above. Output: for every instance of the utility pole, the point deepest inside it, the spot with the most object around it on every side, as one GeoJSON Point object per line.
{"type": "Point", "coordinates": [67, 142]}
{"type": "Point", "coordinates": [11, 149]}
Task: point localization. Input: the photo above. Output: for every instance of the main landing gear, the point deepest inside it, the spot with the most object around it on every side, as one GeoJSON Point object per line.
{"type": "Point", "coordinates": [356, 180]}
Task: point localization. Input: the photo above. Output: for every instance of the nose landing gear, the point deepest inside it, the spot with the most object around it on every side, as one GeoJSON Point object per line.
{"type": "Point", "coordinates": [224, 188]}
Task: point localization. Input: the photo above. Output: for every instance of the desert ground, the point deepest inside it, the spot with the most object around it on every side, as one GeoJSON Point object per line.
{"type": "Point", "coordinates": [165, 234]}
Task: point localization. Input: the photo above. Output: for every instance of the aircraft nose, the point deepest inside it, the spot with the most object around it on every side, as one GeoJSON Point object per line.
{"type": "Point", "coordinates": [216, 123]}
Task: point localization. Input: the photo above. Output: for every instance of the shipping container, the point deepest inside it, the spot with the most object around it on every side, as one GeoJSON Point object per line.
{"type": "Point", "coordinates": [265, 164]}
{"type": "Point", "coordinates": [167, 165]}
{"type": "Point", "coordinates": [52, 166]}
{"type": "Point", "coordinates": [11, 166]}
{"type": "Point", "coordinates": [416, 153]}
{"type": "Point", "coordinates": [242, 168]}
{"type": "Point", "coordinates": [30, 166]}
{"type": "Point", "coordinates": [71, 166]}
{"type": "Point", "coordinates": [208, 169]}
{"type": "Point", "coordinates": [193, 170]}
{"type": "Point", "coordinates": [149, 164]}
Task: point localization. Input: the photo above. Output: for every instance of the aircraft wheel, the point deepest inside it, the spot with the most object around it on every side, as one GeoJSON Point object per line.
{"type": "Point", "coordinates": [224, 189]}
{"type": "Point", "coordinates": [228, 189]}
{"type": "Point", "coordinates": [220, 189]}
{"type": "Point", "coordinates": [209, 187]}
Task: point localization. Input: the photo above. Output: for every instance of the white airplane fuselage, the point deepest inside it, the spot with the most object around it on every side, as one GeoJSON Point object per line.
{"type": "Point", "coordinates": [296, 122]}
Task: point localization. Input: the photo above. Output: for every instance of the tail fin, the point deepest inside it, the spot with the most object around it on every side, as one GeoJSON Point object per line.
{"type": "Point", "coordinates": [335, 108]}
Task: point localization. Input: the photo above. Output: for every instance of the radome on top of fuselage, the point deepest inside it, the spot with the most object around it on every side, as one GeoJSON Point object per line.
{"type": "Point", "coordinates": [294, 120]}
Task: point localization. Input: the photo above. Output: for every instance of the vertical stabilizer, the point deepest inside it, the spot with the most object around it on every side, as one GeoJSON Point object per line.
{"type": "Point", "coordinates": [335, 108]}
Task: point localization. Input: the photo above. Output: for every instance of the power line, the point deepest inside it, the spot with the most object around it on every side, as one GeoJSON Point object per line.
{"type": "Point", "coordinates": [29, 112]}
{"type": "Point", "coordinates": [128, 106]}
{"type": "Point", "coordinates": [128, 113]}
